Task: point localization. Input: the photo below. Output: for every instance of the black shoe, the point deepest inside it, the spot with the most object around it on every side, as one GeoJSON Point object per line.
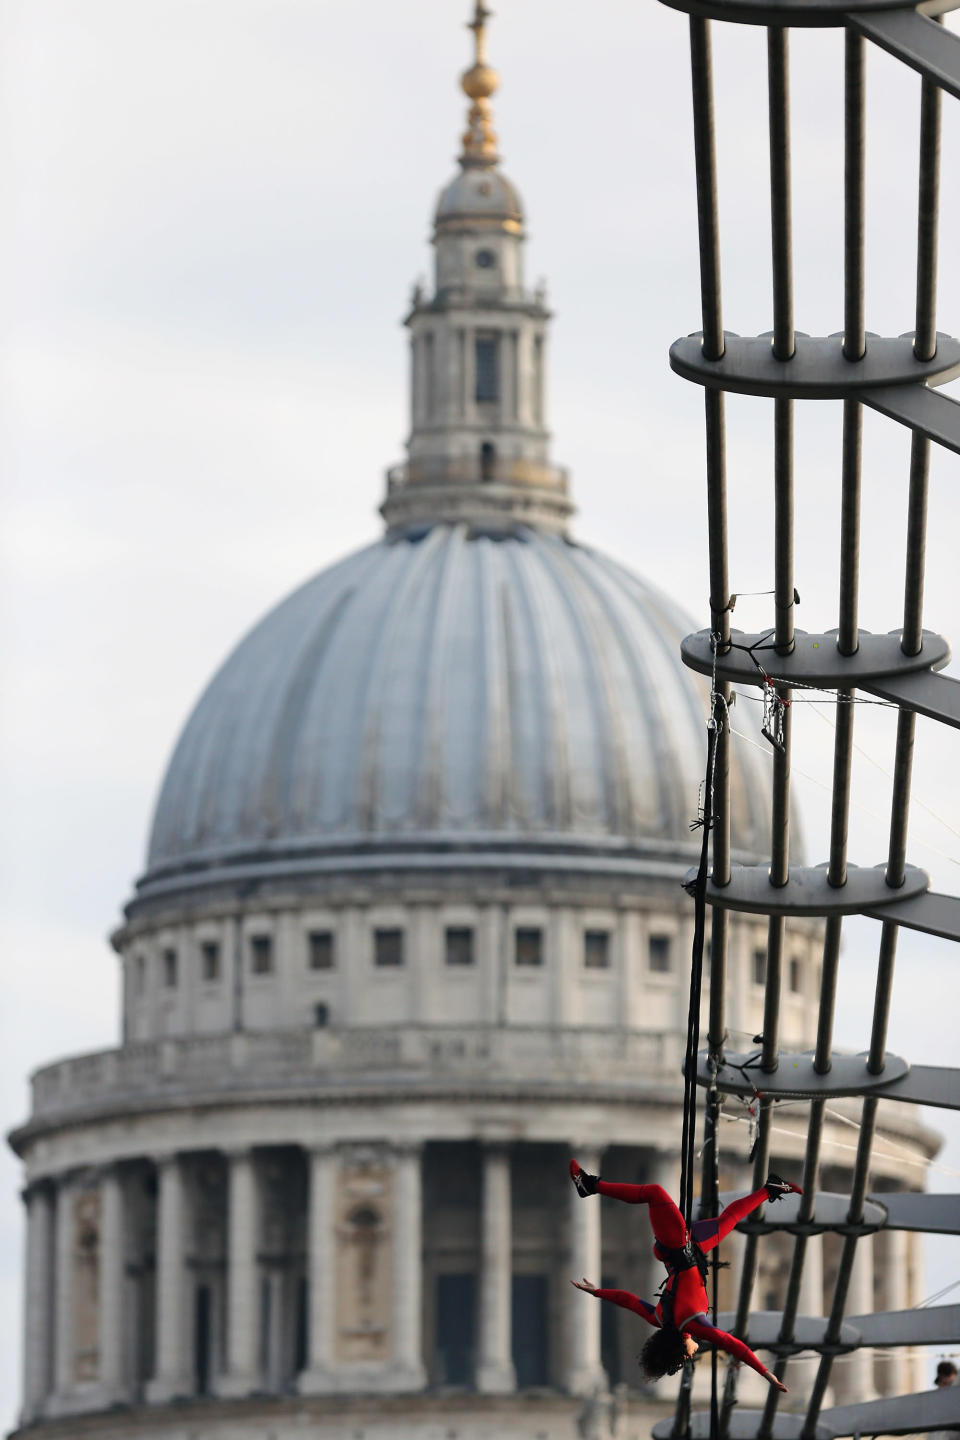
{"type": "Point", "coordinates": [585, 1184]}
{"type": "Point", "coordinates": [777, 1188]}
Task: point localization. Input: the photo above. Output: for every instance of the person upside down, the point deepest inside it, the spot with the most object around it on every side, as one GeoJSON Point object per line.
{"type": "Point", "coordinates": [680, 1316]}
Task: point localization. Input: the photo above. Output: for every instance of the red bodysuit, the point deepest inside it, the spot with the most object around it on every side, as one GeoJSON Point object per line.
{"type": "Point", "coordinates": [684, 1291]}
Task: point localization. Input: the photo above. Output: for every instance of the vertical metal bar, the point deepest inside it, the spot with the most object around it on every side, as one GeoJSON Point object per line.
{"type": "Point", "coordinates": [854, 347]}
{"type": "Point", "coordinates": [714, 418]}
{"type": "Point", "coordinates": [778, 73]}
{"type": "Point", "coordinates": [900, 803]}
{"type": "Point", "coordinates": [828, 995]}
{"type": "Point", "coordinates": [925, 340]}
{"type": "Point", "coordinates": [778, 93]}
{"type": "Point", "coordinates": [704, 147]}
{"type": "Point", "coordinates": [889, 935]}
{"type": "Point", "coordinates": [854, 339]}
{"type": "Point", "coordinates": [716, 1033]}
{"type": "Point", "coordinates": [912, 641]}
{"type": "Point", "coordinates": [761, 1167]}
{"type": "Point", "coordinates": [714, 413]}
{"type": "Point", "coordinates": [783, 525]}
{"type": "Point", "coordinates": [845, 1265]}
{"type": "Point", "coordinates": [708, 227]}
{"type": "Point", "coordinates": [847, 639]}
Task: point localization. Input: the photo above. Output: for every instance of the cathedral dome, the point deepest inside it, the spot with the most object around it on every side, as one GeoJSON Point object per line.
{"type": "Point", "coordinates": [454, 691]}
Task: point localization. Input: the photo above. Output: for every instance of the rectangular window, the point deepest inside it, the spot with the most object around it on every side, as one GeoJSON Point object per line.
{"type": "Point", "coordinates": [530, 1329]}
{"type": "Point", "coordinates": [428, 401]}
{"type": "Point", "coordinates": [139, 975]}
{"type": "Point", "coordinates": [388, 947]}
{"type": "Point", "coordinates": [487, 369]}
{"type": "Point", "coordinates": [210, 960]}
{"type": "Point", "coordinates": [660, 954]}
{"type": "Point", "coordinates": [759, 967]}
{"type": "Point", "coordinates": [320, 949]}
{"type": "Point", "coordinates": [170, 969]}
{"type": "Point", "coordinates": [796, 975]}
{"type": "Point", "coordinates": [456, 1329]}
{"type": "Point", "coordinates": [528, 946]}
{"type": "Point", "coordinates": [458, 946]}
{"type": "Point", "coordinates": [596, 950]}
{"type": "Point", "coordinates": [261, 954]}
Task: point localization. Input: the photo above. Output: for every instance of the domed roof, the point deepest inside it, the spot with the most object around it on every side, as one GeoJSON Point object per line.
{"type": "Point", "coordinates": [479, 192]}
{"type": "Point", "coordinates": [449, 689]}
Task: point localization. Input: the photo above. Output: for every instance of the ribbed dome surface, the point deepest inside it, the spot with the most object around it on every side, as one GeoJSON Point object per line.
{"type": "Point", "coordinates": [482, 193]}
{"type": "Point", "coordinates": [451, 686]}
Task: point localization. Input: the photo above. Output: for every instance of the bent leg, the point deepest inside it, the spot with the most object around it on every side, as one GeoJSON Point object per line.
{"type": "Point", "coordinates": [708, 1233]}
{"type": "Point", "coordinates": [667, 1222]}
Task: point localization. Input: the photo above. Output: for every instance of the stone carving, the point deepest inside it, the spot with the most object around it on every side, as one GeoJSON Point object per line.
{"type": "Point", "coordinates": [364, 1286]}
{"type": "Point", "coordinates": [86, 1287]}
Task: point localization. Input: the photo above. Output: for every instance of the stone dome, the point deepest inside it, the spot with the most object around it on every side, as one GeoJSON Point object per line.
{"type": "Point", "coordinates": [452, 690]}
{"type": "Point", "coordinates": [479, 192]}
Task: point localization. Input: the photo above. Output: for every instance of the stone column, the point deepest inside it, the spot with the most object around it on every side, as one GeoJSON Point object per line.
{"type": "Point", "coordinates": [38, 1301]}
{"type": "Point", "coordinates": [63, 1291]}
{"type": "Point", "coordinates": [318, 1376]}
{"type": "Point", "coordinates": [894, 1369]}
{"type": "Point", "coordinates": [407, 1371]}
{"type": "Point", "coordinates": [584, 1370]}
{"type": "Point", "coordinates": [241, 1376]}
{"type": "Point", "coordinates": [112, 1279]}
{"type": "Point", "coordinates": [853, 1374]}
{"type": "Point", "coordinates": [171, 1377]}
{"type": "Point", "coordinates": [916, 1365]}
{"type": "Point", "coordinates": [811, 1281]}
{"type": "Point", "coordinates": [495, 1372]}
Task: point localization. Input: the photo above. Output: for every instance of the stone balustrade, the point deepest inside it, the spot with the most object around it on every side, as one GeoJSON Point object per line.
{"type": "Point", "coordinates": [545, 1057]}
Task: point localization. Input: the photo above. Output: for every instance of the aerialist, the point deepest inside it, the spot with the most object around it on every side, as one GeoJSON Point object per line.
{"type": "Point", "coordinates": [680, 1315]}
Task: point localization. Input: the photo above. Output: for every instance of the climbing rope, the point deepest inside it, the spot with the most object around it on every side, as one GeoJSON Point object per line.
{"type": "Point", "coordinates": [698, 889]}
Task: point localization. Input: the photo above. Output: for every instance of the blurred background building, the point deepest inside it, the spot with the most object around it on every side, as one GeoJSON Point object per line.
{"type": "Point", "coordinates": [411, 932]}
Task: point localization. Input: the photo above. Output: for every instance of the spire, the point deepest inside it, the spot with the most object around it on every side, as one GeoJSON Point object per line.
{"type": "Point", "coordinates": [479, 83]}
{"type": "Point", "coordinates": [478, 450]}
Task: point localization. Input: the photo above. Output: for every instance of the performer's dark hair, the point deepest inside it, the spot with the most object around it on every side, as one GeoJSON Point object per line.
{"type": "Point", "coordinates": [663, 1353]}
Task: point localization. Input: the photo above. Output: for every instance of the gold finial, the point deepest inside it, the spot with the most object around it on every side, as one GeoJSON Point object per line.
{"type": "Point", "coordinates": [479, 83]}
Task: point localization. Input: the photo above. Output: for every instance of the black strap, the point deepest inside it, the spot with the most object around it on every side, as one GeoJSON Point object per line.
{"type": "Point", "coordinates": [685, 1258]}
{"type": "Point", "coordinates": [699, 891]}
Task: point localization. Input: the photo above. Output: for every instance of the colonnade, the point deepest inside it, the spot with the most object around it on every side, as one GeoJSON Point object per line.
{"type": "Point", "coordinates": [56, 1384]}
{"type": "Point", "coordinates": [67, 1372]}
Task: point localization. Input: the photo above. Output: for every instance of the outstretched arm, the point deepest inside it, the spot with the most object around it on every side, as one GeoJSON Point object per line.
{"type": "Point", "coordinates": [622, 1298]}
{"type": "Point", "coordinates": [700, 1330]}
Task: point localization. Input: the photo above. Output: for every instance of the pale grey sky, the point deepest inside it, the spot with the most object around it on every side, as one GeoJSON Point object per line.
{"type": "Point", "coordinates": [212, 216]}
